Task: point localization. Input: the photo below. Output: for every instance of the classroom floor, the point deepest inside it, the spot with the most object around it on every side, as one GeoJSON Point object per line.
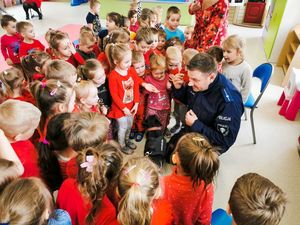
{"type": "Point", "coordinates": [275, 154]}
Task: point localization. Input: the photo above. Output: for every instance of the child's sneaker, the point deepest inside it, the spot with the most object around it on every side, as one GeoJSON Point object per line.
{"type": "Point", "coordinates": [139, 137]}
{"type": "Point", "coordinates": [130, 145]}
{"type": "Point", "coordinates": [175, 128]}
{"type": "Point", "coordinates": [126, 150]}
{"type": "Point", "coordinates": [132, 134]}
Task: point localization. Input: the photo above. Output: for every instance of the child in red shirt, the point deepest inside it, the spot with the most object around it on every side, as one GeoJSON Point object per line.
{"type": "Point", "coordinates": [10, 42]}
{"type": "Point", "coordinates": [189, 188]}
{"type": "Point", "coordinates": [18, 129]}
{"type": "Point", "coordinates": [132, 16]}
{"type": "Point", "coordinates": [29, 43]}
{"type": "Point", "coordinates": [144, 39]}
{"type": "Point", "coordinates": [84, 198]}
{"type": "Point", "coordinates": [124, 90]}
{"type": "Point", "coordinates": [140, 177]}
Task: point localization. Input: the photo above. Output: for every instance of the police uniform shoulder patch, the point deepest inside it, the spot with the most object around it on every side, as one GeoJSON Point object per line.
{"type": "Point", "coordinates": [223, 129]}
{"type": "Point", "coordinates": [226, 94]}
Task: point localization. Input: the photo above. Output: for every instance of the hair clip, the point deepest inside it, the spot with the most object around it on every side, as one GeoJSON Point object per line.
{"type": "Point", "coordinates": [88, 164]}
{"type": "Point", "coordinates": [53, 92]}
{"type": "Point", "coordinates": [198, 139]}
{"type": "Point", "coordinates": [127, 170]}
{"type": "Point", "coordinates": [44, 141]}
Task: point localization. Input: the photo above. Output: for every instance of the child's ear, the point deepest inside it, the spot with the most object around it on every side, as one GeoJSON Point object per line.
{"type": "Point", "coordinates": [18, 137]}
{"type": "Point", "coordinates": [228, 210]}
{"type": "Point", "coordinates": [60, 108]}
{"type": "Point", "coordinates": [38, 69]}
{"type": "Point", "coordinates": [175, 159]}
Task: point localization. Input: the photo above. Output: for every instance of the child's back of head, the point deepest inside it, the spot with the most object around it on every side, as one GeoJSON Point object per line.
{"type": "Point", "coordinates": [255, 200]}
{"type": "Point", "coordinates": [188, 54]}
{"type": "Point", "coordinates": [8, 173]}
{"type": "Point", "coordinates": [216, 52]}
{"type": "Point", "coordinates": [6, 19]}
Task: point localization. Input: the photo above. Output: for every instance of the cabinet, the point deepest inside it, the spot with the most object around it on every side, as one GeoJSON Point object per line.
{"type": "Point", "coordinates": [290, 53]}
{"type": "Point", "coordinates": [254, 12]}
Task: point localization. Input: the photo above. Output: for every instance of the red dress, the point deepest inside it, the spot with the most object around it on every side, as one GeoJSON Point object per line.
{"type": "Point", "coordinates": [191, 206]}
{"type": "Point", "coordinates": [211, 25]}
{"type": "Point", "coordinates": [70, 199]}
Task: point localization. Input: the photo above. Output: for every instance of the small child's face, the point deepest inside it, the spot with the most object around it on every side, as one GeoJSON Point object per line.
{"type": "Point", "coordinates": [125, 63]}
{"type": "Point", "coordinates": [133, 20]}
{"type": "Point", "coordinates": [158, 74]}
{"type": "Point", "coordinates": [155, 41]}
{"type": "Point", "coordinates": [64, 48]}
{"type": "Point", "coordinates": [173, 64]}
{"type": "Point", "coordinates": [11, 28]}
{"type": "Point", "coordinates": [173, 21]}
{"type": "Point", "coordinates": [92, 98]}
{"type": "Point", "coordinates": [110, 25]}
{"type": "Point", "coordinates": [99, 78]}
{"type": "Point", "coordinates": [87, 48]}
{"type": "Point", "coordinates": [188, 34]}
{"type": "Point", "coordinates": [230, 55]}
{"type": "Point", "coordinates": [161, 43]}
{"type": "Point", "coordinates": [28, 33]}
{"type": "Point", "coordinates": [153, 21]}
{"type": "Point", "coordinates": [140, 68]}
{"type": "Point", "coordinates": [96, 8]}
{"type": "Point", "coordinates": [143, 47]}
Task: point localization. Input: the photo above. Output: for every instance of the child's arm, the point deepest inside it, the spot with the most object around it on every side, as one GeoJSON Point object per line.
{"type": "Point", "coordinates": [76, 55]}
{"type": "Point", "coordinates": [7, 152]}
{"type": "Point", "coordinates": [4, 52]}
{"type": "Point", "coordinates": [246, 83]}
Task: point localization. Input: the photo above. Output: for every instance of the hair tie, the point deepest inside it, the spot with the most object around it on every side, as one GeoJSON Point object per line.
{"type": "Point", "coordinates": [88, 164]}
{"type": "Point", "coordinates": [44, 83]}
{"type": "Point", "coordinates": [127, 170]}
{"type": "Point", "coordinates": [53, 92]}
{"type": "Point", "coordinates": [44, 141]}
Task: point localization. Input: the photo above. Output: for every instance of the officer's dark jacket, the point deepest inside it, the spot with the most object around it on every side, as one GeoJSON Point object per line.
{"type": "Point", "coordinates": [219, 110]}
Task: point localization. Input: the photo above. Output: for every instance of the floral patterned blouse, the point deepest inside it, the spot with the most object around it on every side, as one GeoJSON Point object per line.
{"type": "Point", "coordinates": [211, 25]}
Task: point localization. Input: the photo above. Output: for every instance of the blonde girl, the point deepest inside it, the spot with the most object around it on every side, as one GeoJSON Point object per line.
{"type": "Point", "coordinates": [124, 90]}
{"type": "Point", "coordinates": [190, 184]}
{"type": "Point", "coordinates": [84, 197]}
{"type": "Point", "coordinates": [63, 48]}
{"type": "Point", "coordinates": [13, 86]}
{"type": "Point", "coordinates": [235, 68]}
{"type": "Point", "coordinates": [25, 201]}
{"type": "Point", "coordinates": [139, 191]}
{"type": "Point", "coordinates": [87, 96]}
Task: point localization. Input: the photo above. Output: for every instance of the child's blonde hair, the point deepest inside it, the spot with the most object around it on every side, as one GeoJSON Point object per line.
{"type": "Point", "coordinates": [82, 90]}
{"type": "Point", "coordinates": [189, 28]}
{"type": "Point", "coordinates": [33, 63]}
{"type": "Point", "coordinates": [86, 38]}
{"type": "Point", "coordinates": [157, 62]}
{"type": "Point", "coordinates": [198, 158]}
{"type": "Point", "coordinates": [255, 200]}
{"type": "Point", "coordinates": [61, 70]}
{"type": "Point", "coordinates": [120, 35]}
{"type": "Point", "coordinates": [158, 10]}
{"type": "Point", "coordinates": [22, 26]}
{"type": "Point", "coordinates": [137, 57]}
{"type": "Point", "coordinates": [144, 34]}
{"type": "Point", "coordinates": [188, 54]}
{"type": "Point", "coordinates": [49, 33]}
{"type": "Point", "coordinates": [9, 172]}
{"type": "Point", "coordinates": [92, 181]}
{"type": "Point", "coordinates": [10, 79]}
{"type": "Point", "coordinates": [235, 42]}
{"type": "Point", "coordinates": [173, 53]}
{"type": "Point", "coordinates": [56, 38]}
{"type": "Point", "coordinates": [86, 129]}
{"type": "Point", "coordinates": [86, 29]}
{"type": "Point", "coordinates": [93, 3]}
{"type": "Point", "coordinates": [12, 119]}
{"type": "Point", "coordinates": [138, 186]}
{"type": "Point", "coordinates": [25, 201]}
{"type": "Point", "coordinates": [147, 15]}
{"type": "Point", "coordinates": [116, 52]}
{"type": "Point", "coordinates": [87, 71]}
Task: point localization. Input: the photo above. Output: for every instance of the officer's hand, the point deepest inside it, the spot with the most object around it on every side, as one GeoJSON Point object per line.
{"type": "Point", "coordinates": [190, 118]}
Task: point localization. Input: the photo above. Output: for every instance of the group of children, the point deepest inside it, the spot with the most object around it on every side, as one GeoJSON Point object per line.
{"type": "Point", "coordinates": [62, 106]}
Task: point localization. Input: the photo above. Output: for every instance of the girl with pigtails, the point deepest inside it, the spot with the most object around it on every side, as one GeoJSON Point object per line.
{"type": "Point", "coordinates": [84, 197]}
{"type": "Point", "coordinates": [139, 191]}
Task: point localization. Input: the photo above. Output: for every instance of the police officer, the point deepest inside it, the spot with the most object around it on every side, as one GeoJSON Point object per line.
{"type": "Point", "coordinates": [215, 105]}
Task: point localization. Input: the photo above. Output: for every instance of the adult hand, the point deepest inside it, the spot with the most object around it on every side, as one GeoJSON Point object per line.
{"type": "Point", "coordinates": [190, 118]}
{"type": "Point", "coordinates": [72, 48]}
{"type": "Point", "coordinates": [177, 81]}
{"type": "Point", "coordinates": [127, 111]}
{"type": "Point", "coordinates": [195, 6]}
{"type": "Point", "coordinates": [103, 110]}
{"type": "Point", "coordinates": [134, 108]}
{"type": "Point", "coordinates": [150, 88]}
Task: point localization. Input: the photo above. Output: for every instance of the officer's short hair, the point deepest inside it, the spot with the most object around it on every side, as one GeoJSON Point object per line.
{"type": "Point", "coordinates": [203, 62]}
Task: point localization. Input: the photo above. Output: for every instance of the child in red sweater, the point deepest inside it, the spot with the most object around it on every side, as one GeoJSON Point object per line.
{"type": "Point", "coordinates": [189, 188]}
{"type": "Point", "coordinates": [84, 197]}
{"type": "Point", "coordinates": [18, 129]}
{"type": "Point", "coordinates": [124, 90]}
{"type": "Point", "coordinates": [29, 43]}
{"type": "Point", "coordinates": [10, 42]}
{"type": "Point", "coordinates": [140, 177]}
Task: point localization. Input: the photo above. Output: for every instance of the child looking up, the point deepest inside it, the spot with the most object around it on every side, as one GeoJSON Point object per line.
{"type": "Point", "coordinates": [191, 181]}
{"type": "Point", "coordinates": [18, 129]}
{"type": "Point", "coordinates": [235, 67]}
{"type": "Point", "coordinates": [139, 191]}
{"type": "Point", "coordinates": [124, 90]}
{"type": "Point", "coordinates": [10, 42]}
{"type": "Point", "coordinates": [161, 42]}
{"type": "Point", "coordinates": [29, 43]}
{"type": "Point", "coordinates": [172, 23]}
{"type": "Point", "coordinates": [144, 40]}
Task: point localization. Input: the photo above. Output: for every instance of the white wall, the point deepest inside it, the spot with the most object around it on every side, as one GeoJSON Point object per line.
{"type": "Point", "coordinates": [291, 17]}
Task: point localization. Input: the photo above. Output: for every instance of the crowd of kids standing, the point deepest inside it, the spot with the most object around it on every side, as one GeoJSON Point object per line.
{"type": "Point", "coordinates": [69, 112]}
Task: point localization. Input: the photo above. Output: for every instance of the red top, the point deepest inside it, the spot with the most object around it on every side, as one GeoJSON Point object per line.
{"type": "Point", "coordinates": [38, 76]}
{"type": "Point", "coordinates": [76, 60]}
{"type": "Point", "coordinates": [162, 213]}
{"type": "Point", "coordinates": [134, 27]}
{"type": "Point", "coordinates": [69, 168]}
{"type": "Point", "coordinates": [211, 25]}
{"type": "Point", "coordinates": [70, 199]}
{"type": "Point", "coordinates": [26, 48]}
{"type": "Point", "coordinates": [191, 206]}
{"type": "Point", "coordinates": [104, 60]}
{"type": "Point", "coordinates": [124, 91]}
{"type": "Point", "coordinates": [28, 156]}
{"type": "Point", "coordinates": [26, 97]}
{"type": "Point", "coordinates": [10, 47]}
{"type": "Point", "coordinates": [37, 2]}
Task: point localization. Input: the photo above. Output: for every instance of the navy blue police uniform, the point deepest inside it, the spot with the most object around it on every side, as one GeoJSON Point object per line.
{"type": "Point", "coordinates": [219, 110]}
